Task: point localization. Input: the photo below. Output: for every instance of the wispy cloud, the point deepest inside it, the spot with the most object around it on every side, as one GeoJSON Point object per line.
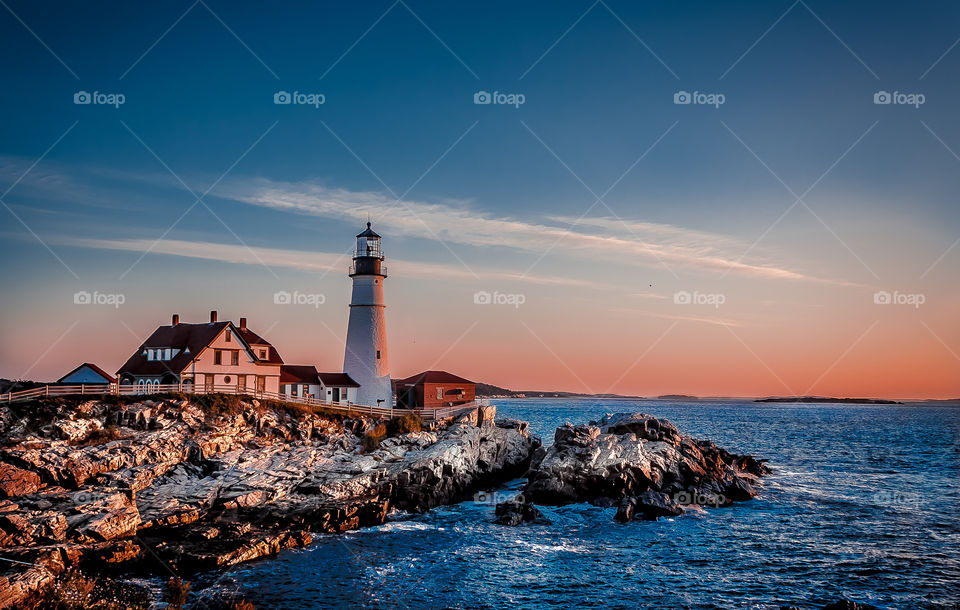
{"type": "Point", "coordinates": [303, 260]}
{"type": "Point", "coordinates": [457, 222]}
{"type": "Point", "coordinates": [670, 316]}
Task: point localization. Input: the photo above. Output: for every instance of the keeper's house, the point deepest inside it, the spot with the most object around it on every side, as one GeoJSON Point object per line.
{"type": "Point", "coordinates": [304, 381]}
{"type": "Point", "coordinates": [433, 390]}
{"type": "Point", "coordinates": [207, 356]}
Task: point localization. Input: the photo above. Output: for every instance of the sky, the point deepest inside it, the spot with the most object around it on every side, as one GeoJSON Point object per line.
{"type": "Point", "coordinates": [554, 215]}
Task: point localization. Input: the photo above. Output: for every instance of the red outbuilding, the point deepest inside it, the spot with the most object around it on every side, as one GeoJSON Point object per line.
{"type": "Point", "coordinates": [433, 390]}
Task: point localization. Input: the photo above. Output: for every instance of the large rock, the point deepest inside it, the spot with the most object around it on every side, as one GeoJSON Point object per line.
{"type": "Point", "coordinates": [17, 481]}
{"type": "Point", "coordinates": [644, 465]}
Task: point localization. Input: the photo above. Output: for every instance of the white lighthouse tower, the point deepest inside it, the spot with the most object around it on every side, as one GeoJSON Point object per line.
{"type": "Point", "coordinates": [365, 359]}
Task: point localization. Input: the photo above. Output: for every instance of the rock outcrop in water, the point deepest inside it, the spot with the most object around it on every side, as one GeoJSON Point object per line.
{"type": "Point", "coordinates": [516, 511]}
{"type": "Point", "coordinates": [640, 464]}
{"type": "Point", "coordinates": [99, 485]}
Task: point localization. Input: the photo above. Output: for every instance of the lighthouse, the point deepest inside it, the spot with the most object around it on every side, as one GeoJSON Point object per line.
{"type": "Point", "coordinates": [365, 358]}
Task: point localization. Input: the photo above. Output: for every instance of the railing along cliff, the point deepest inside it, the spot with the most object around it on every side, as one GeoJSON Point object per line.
{"type": "Point", "coordinates": [91, 389]}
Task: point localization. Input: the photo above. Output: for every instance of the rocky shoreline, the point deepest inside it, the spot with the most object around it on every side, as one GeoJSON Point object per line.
{"type": "Point", "coordinates": [642, 465]}
{"type": "Point", "coordinates": [183, 484]}
{"type": "Point", "coordinates": [178, 485]}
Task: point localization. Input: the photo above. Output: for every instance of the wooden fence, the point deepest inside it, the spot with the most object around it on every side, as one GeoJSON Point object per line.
{"type": "Point", "coordinates": [90, 389]}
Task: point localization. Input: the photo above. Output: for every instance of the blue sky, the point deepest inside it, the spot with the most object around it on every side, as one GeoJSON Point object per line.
{"type": "Point", "coordinates": [494, 196]}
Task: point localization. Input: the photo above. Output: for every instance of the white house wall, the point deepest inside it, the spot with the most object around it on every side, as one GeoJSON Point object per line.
{"type": "Point", "coordinates": [203, 365]}
{"type": "Point", "coordinates": [313, 390]}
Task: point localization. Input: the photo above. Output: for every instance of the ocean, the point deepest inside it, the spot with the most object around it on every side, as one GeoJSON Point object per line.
{"type": "Point", "coordinates": [863, 504]}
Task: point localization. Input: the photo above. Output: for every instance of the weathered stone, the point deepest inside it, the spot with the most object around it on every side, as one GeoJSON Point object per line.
{"type": "Point", "coordinates": [17, 481]}
{"type": "Point", "coordinates": [35, 572]}
{"type": "Point", "coordinates": [638, 461]}
{"type": "Point", "coordinates": [648, 506]}
{"type": "Point", "coordinates": [74, 430]}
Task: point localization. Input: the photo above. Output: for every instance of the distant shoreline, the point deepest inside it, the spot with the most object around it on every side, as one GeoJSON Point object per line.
{"type": "Point", "coordinates": [828, 399]}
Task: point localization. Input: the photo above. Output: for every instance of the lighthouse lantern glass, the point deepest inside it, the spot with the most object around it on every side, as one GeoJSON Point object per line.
{"type": "Point", "coordinates": [368, 246]}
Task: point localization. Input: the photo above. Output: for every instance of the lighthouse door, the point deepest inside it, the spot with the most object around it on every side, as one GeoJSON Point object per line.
{"type": "Point", "coordinates": [336, 394]}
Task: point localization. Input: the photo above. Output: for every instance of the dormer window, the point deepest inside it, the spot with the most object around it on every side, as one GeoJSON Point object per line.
{"type": "Point", "coordinates": [263, 354]}
{"type": "Point", "coordinates": [161, 353]}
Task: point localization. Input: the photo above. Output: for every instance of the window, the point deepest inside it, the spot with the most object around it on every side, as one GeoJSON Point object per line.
{"type": "Point", "coordinates": [226, 336]}
{"type": "Point", "coordinates": [218, 356]}
{"type": "Point", "coordinates": [439, 393]}
{"type": "Point", "coordinates": [293, 389]}
{"type": "Point", "coordinates": [241, 382]}
{"type": "Point", "coordinates": [167, 354]}
{"type": "Point", "coordinates": [226, 379]}
{"type": "Point", "coordinates": [261, 383]}
{"type": "Point", "coordinates": [378, 354]}
{"type": "Point", "coordinates": [149, 354]}
{"type": "Point", "coordinates": [263, 354]}
{"type": "Point", "coordinates": [305, 390]}
{"type": "Point", "coordinates": [235, 357]}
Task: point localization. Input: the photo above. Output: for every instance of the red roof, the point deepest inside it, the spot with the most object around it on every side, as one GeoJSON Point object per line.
{"type": "Point", "coordinates": [337, 380]}
{"type": "Point", "coordinates": [257, 341]}
{"type": "Point", "coordinates": [433, 377]}
{"type": "Point", "coordinates": [96, 369]}
{"type": "Point", "coordinates": [298, 373]}
{"type": "Point", "coordinates": [190, 339]}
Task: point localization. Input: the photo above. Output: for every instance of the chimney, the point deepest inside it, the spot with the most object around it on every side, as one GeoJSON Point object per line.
{"type": "Point", "coordinates": [176, 319]}
{"type": "Point", "coordinates": [243, 324]}
{"type": "Point", "coordinates": [213, 316]}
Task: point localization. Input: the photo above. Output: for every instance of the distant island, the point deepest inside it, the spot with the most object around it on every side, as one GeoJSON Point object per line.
{"type": "Point", "coordinates": [678, 397]}
{"type": "Point", "coordinates": [486, 390]}
{"type": "Point", "coordinates": [828, 399]}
